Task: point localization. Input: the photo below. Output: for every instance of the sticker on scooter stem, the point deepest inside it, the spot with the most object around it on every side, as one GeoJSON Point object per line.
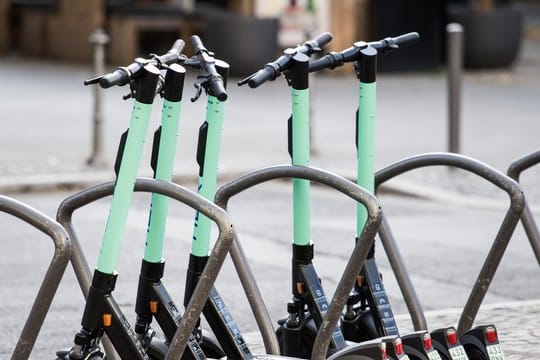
{"type": "Point", "coordinates": [495, 352]}
{"type": "Point", "coordinates": [379, 297]}
{"type": "Point", "coordinates": [229, 322]}
{"type": "Point", "coordinates": [319, 301]}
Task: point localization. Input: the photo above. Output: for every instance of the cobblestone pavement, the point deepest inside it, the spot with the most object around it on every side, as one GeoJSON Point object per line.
{"type": "Point", "coordinates": [516, 322]}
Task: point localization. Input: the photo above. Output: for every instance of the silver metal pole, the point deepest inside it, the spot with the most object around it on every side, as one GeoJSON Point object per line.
{"type": "Point", "coordinates": [99, 38]}
{"type": "Point", "coordinates": [454, 34]}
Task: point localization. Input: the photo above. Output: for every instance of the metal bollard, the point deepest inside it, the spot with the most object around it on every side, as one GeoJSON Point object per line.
{"type": "Point", "coordinates": [454, 34]}
{"type": "Point", "coordinates": [99, 38]}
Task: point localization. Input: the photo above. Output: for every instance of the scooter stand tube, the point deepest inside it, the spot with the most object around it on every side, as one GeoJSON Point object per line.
{"type": "Point", "coordinates": [369, 312]}
{"type": "Point", "coordinates": [153, 301]}
{"type": "Point", "coordinates": [103, 314]}
{"type": "Point", "coordinates": [95, 319]}
{"type": "Point", "coordinates": [145, 305]}
{"type": "Point", "coordinates": [297, 333]}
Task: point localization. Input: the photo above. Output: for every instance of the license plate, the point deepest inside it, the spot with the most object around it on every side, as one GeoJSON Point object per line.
{"type": "Point", "coordinates": [458, 353]}
{"type": "Point", "coordinates": [495, 352]}
{"type": "Point", "coordinates": [434, 355]}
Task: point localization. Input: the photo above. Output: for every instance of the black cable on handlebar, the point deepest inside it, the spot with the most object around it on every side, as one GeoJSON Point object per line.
{"type": "Point", "coordinates": [271, 70]}
{"type": "Point", "coordinates": [124, 74]}
{"type": "Point", "coordinates": [384, 46]}
{"type": "Point", "coordinates": [208, 78]}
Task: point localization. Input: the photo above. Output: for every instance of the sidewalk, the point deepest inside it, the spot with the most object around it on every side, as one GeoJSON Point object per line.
{"type": "Point", "coordinates": [48, 138]}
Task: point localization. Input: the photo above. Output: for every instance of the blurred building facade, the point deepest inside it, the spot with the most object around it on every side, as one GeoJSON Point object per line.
{"type": "Point", "coordinates": [59, 29]}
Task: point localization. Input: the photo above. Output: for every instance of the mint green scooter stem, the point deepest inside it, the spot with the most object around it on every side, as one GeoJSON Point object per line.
{"type": "Point", "coordinates": [366, 146]}
{"type": "Point", "coordinates": [164, 171]}
{"type": "Point", "coordinates": [300, 156]}
{"type": "Point", "coordinates": [164, 161]}
{"type": "Point", "coordinates": [208, 176]}
{"type": "Point", "coordinates": [123, 189]}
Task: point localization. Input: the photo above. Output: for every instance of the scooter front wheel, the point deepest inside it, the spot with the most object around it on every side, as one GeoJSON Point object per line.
{"type": "Point", "coordinates": [157, 350]}
{"type": "Point", "coordinates": [211, 348]}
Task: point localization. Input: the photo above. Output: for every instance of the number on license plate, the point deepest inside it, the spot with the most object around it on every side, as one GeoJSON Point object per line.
{"type": "Point", "coordinates": [458, 353]}
{"type": "Point", "coordinates": [495, 352]}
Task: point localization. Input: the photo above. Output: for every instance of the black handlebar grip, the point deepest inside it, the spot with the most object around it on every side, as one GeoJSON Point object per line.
{"type": "Point", "coordinates": [173, 55]}
{"type": "Point", "coordinates": [323, 63]}
{"type": "Point", "coordinates": [117, 77]}
{"type": "Point", "coordinates": [262, 76]}
{"type": "Point", "coordinates": [323, 39]}
{"type": "Point", "coordinates": [197, 44]}
{"type": "Point", "coordinates": [217, 88]}
{"type": "Point", "coordinates": [407, 39]}
{"type": "Point", "coordinates": [178, 46]}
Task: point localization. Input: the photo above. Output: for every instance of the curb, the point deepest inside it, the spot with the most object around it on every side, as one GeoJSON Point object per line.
{"type": "Point", "coordinates": [82, 179]}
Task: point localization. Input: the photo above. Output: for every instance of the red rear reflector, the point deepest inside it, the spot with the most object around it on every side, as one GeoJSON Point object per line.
{"type": "Point", "coordinates": [383, 351]}
{"type": "Point", "coordinates": [398, 346]}
{"type": "Point", "coordinates": [451, 336]}
{"type": "Point", "coordinates": [491, 334]}
{"type": "Point", "coordinates": [427, 342]}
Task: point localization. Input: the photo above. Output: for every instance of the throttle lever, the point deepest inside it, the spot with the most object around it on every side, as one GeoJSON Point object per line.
{"type": "Point", "coordinates": [199, 88]}
{"type": "Point", "coordinates": [92, 81]}
{"type": "Point", "coordinates": [245, 81]}
{"type": "Point", "coordinates": [391, 45]}
{"type": "Point", "coordinates": [132, 91]}
{"type": "Point", "coordinates": [192, 62]}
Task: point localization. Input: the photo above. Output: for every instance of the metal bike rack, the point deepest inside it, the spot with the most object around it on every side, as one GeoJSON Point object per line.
{"type": "Point", "coordinates": [352, 268]}
{"type": "Point", "coordinates": [176, 192]}
{"type": "Point", "coordinates": [495, 254]}
{"type": "Point", "coordinates": [527, 218]}
{"type": "Point", "coordinates": [52, 278]}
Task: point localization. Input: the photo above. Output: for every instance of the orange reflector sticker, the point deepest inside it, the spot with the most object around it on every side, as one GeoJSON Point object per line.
{"type": "Point", "coordinates": [107, 320]}
{"type": "Point", "coordinates": [299, 288]}
{"type": "Point", "coordinates": [153, 307]}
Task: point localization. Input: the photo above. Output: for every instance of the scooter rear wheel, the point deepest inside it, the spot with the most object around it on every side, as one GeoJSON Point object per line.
{"type": "Point", "coordinates": [475, 354]}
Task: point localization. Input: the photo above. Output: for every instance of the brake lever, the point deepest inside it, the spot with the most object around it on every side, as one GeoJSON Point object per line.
{"type": "Point", "coordinates": [93, 80]}
{"type": "Point", "coordinates": [132, 91]}
{"type": "Point", "coordinates": [246, 80]}
{"type": "Point", "coordinates": [199, 88]}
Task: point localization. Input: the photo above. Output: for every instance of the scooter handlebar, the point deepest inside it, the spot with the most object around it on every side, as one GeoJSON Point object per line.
{"type": "Point", "coordinates": [174, 53]}
{"type": "Point", "coordinates": [122, 75]}
{"type": "Point", "coordinates": [206, 63]}
{"type": "Point", "coordinates": [119, 76]}
{"type": "Point", "coordinates": [271, 70]}
{"type": "Point", "coordinates": [197, 44]}
{"type": "Point", "coordinates": [217, 88]}
{"type": "Point", "coordinates": [263, 75]}
{"type": "Point", "coordinates": [392, 43]}
{"type": "Point", "coordinates": [335, 59]}
{"type": "Point", "coordinates": [322, 39]}
{"type": "Point", "coordinates": [407, 39]}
